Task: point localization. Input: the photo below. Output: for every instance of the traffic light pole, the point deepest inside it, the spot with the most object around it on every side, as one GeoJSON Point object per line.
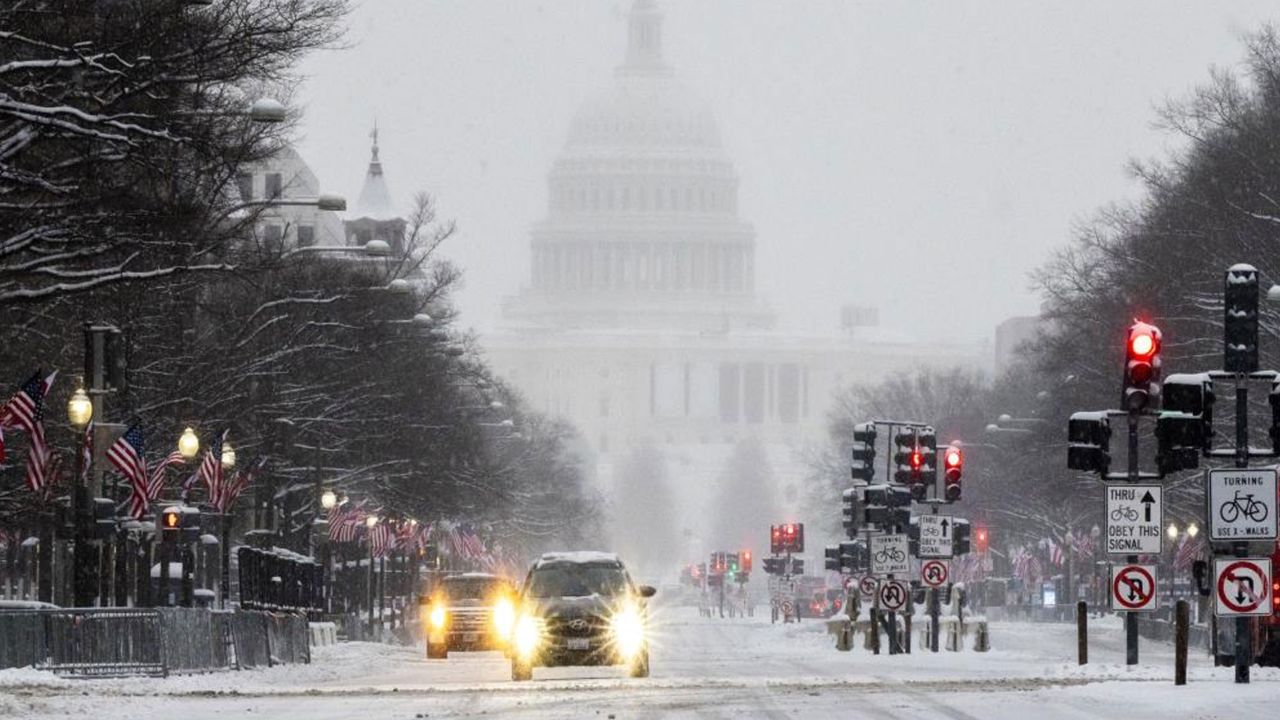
{"type": "Point", "coordinates": [1131, 617]}
{"type": "Point", "coordinates": [1244, 639]}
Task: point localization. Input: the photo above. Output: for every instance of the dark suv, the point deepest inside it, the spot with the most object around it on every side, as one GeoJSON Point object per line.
{"type": "Point", "coordinates": [580, 608]}
{"type": "Point", "coordinates": [472, 611]}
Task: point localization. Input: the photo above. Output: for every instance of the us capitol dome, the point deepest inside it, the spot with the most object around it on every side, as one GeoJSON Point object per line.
{"type": "Point", "coordinates": [642, 228]}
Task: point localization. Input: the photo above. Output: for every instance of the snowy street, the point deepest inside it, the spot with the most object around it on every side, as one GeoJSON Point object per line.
{"type": "Point", "coordinates": [704, 668]}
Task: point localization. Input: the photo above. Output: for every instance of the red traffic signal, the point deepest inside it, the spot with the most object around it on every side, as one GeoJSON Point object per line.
{"type": "Point", "coordinates": [1142, 366]}
{"type": "Point", "coordinates": [953, 462]}
{"type": "Point", "coordinates": [917, 459]}
{"type": "Point", "coordinates": [980, 539]}
{"type": "Point", "coordinates": [744, 561]}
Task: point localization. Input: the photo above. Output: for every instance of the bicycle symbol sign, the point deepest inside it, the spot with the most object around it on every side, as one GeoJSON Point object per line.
{"type": "Point", "coordinates": [889, 555]}
{"type": "Point", "coordinates": [1134, 514]}
{"type": "Point", "coordinates": [934, 573]}
{"type": "Point", "coordinates": [893, 596]}
{"type": "Point", "coordinates": [1133, 587]}
{"type": "Point", "coordinates": [1242, 504]}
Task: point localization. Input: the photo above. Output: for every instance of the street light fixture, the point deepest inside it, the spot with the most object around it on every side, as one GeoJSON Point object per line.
{"type": "Point", "coordinates": [328, 500]}
{"type": "Point", "coordinates": [266, 110]}
{"type": "Point", "coordinates": [1173, 531]}
{"type": "Point", "coordinates": [370, 521]}
{"type": "Point", "coordinates": [422, 320]}
{"type": "Point", "coordinates": [228, 455]}
{"type": "Point", "coordinates": [400, 286]}
{"type": "Point", "coordinates": [1193, 529]}
{"type": "Point", "coordinates": [377, 248]}
{"type": "Point", "coordinates": [80, 409]}
{"type": "Point", "coordinates": [189, 444]}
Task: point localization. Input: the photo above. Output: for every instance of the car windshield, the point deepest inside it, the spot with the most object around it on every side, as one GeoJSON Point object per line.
{"type": "Point", "coordinates": [577, 580]}
{"type": "Point", "coordinates": [471, 588]}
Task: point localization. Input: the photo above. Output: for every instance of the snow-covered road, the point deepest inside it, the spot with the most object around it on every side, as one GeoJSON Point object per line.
{"type": "Point", "coordinates": [702, 668]}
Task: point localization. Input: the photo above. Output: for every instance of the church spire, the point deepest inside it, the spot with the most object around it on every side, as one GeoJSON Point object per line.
{"type": "Point", "coordinates": [375, 199]}
{"type": "Point", "coordinates": [644, 41]}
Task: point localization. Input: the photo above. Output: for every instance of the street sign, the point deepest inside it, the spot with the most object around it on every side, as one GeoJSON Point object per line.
{"type": "Point", "coordinates": [933, 573]}
{"type": "Point", "coordinates": [1048, 594]}
{"type": "Point", "coordinates": [1134, 517]}
{"type": "Point", "coordinates": [1242, 586]}
{"type": "Point", "coordinates": [1133, 588]}
{"type": "Point", "coordinates": [889, 555]}
{"type": "Point", "coordinates": [868, 586]}
{"type": "Point", "coordinates": [935, 536]}
{"type": "Point", "coordinates": [893, 595]}
{"type": "Point", "coordinates": [1242, 504]}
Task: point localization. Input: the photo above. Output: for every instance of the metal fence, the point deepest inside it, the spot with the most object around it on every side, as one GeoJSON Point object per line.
{"type": "Point", "coordinates": [118, 641]}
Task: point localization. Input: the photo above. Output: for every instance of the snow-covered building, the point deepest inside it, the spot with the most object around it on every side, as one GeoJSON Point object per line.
{"type": "Point", "coordinates": [374, 216]}
{"type": "Point", "coordinates": [285, 175]}
{"type": "Point", "coordinates": [641, 320]}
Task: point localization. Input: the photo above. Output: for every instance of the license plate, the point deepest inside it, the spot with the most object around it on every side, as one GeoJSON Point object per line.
{"type": "Point", "coordinates": [578, 644]}
{"type": "Point", "coordinates": [470, 637]}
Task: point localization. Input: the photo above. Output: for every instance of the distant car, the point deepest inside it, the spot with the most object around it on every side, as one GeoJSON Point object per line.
{"type": "Point", "coordinates": [471, 611]}
{"type": "Point", "coordinates": [580, 608]}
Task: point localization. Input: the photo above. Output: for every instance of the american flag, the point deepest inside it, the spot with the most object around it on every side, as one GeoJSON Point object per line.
{"type": "Point", "coordinates": [238, 483]}
{"type": "Point", "coordinates": [1055, 553]}
{"type": "Point", "coordinates": [26, 410]}
{"type": "Point", "coordinates": [126, 454]}
{"type": "Point", "coordinates": [1186, 554]}
{"type": "Point", "coordinates": [211, 468]}
{"type": "Point", "coordinates": [155, 485]}
{"type": "Point", "coordinates": [345, 522]}
{"type": "Point", "coordinates": [382, 539]}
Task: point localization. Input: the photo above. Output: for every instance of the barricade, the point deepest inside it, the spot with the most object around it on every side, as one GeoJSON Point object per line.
{"type": "Point", "coordinates": [323, 634]}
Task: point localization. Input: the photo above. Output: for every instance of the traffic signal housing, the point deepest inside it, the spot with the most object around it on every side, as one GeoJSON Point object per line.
{"type": "Point", "coordinates": [953, 468]}
{"type": "Point", "coordinates": [1240, 320]}
{"type": "Point", "coordinates": [961, 537]}
{"type": "Point", "coordinates": [744, 561]}
{"type": "Point", "coordinates": [981, 538]}
{"type": "Point", "coordinates": [853, 511]}
{"type": "Point", "coordinates": [171, 524]}
{"type": "Point", "coordinates": [1192, 394]}
{"type": "Point", "coordinates": [831, 558]}
{"type": "Point", "coordinates": [1142, 368]}
{"type": "Point", "coordinates": [864, 452]}
{"type": "Point", "coordinates": [907, 457]}
{"type": "Point", "coordinates": [927, 473]}
{"type": "Point", "coordinates": [1179, 440]}
{"type": "Point", "coordinates": [1089, 442]}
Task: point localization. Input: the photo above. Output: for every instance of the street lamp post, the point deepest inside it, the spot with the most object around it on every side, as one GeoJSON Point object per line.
{"type": "Point", "coordinates": [83, 586]}
{"type": "Point", "coordinates": [328, 501]}
{"type": "Point", "coordinates": [370, 522]}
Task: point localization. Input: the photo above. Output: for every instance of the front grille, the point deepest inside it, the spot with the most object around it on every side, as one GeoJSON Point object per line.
{"type": "Point", "coordinates": [470, 620]}
{"type": "Point", "coordinates": [565, 626]}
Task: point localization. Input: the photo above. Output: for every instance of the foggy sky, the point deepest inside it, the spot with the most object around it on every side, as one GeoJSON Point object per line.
{"type": "Point", "coordinates": [918, 156]}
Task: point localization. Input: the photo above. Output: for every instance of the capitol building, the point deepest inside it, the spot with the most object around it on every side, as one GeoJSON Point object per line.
{"type": "Point", "coordinates": [640, 320]}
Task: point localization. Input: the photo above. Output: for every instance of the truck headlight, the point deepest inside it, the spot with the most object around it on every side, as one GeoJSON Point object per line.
{"type": "Point", "coordinates": [627, 627]}
{"type": "Point", "coordinates": [504, 617]}
{"type": "Point", "coordinates": [438, 616]}
{"type": "Point", "coordinates": [527, 636]}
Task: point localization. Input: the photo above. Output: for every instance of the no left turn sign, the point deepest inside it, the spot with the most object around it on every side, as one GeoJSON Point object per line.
{"type": "Point", "coordinates": [933, 573]}
{"type": "Point", "coordinates": [893, 595]}
{"type": "Point", "coordinates": [1242, 586]}
{"type": "Point", "coordinates": [1133, 588]}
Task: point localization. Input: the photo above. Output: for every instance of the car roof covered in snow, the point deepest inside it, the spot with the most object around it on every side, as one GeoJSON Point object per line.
{"type": "Point", "coordinates": [580, 557]}
{"type": "Point", "coordinates": [473, 576]}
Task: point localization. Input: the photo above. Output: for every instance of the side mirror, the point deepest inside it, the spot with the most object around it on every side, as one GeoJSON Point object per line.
{"type": "Point", "coordinates": [647, 591]}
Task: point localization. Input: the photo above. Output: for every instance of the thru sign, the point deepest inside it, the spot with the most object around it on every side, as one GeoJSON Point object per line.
{"type": "Point", "coordinates": [935, 535]}
{"type": "Point", "coordinates": [1134, 515]}
{"type": "Point", "coordinates": [1242, 504]}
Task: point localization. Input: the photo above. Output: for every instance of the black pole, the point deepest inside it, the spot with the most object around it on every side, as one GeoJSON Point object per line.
{"type": "Point", "coordinates": [1131, 617]}
{"type": "Point", "coordinates": [163, 547]}
{"type": "Point", "coordinates": [1182, 615]}
{"type": "Point", "coordinates": [1082, 632]}
{"type": "Point", "coordinates": [224, 561]}
{"type": "Point", "coordinates": [1244, 641]}
{"type": "Point", "coordinates": [934, 610]}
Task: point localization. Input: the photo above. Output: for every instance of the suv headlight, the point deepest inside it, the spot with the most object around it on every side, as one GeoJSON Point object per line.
{"type": "Point", "coordinates": [504, 617]}
{"type": "Point", "coordinates": [438, 616]}
{"type": "Point", "coordinates": [527, 636]}
{"type": "Point", "coordinates": [627, 626]}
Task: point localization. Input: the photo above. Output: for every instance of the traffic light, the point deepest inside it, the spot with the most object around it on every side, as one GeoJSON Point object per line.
{"type": "Point", "coordinates": [981, 538]}
{"type": "Point", "coordinates": [1240, 320]}
{"type": "Point", "coordinates": [913, 537]}
{"type": "Point", "coordinates": [744, 561]}
{"type": "Point", "coordinates": [864, 452]}
{"type": "Point", "coordinates": [853, 555]}
{"type": "Point", "coordinates": [170, 524]}
{"type": "Point", "coordinates": [1089, 442]}
{"type": "Point", "coordinates": [731, 559]}
{"type": "Point", "coordinates": [104, 518]}
{"type": "Point", "coordinates": [1179, 439]}
{"type": "Point", "coordinates": [1192, 394]}
{"type": "Point", "coordinates": [854, 511]}
{"type": "Point", "coordinates": [927, 474]}
{"type": "Point", "coordinates": [960, 538]}
{"type": "Point", "coordinates": [790, 538]}
{"type": "Point", "coordinates": [1142, 367]}
{"type": "Point", "coordinates": [953, 465]}
{"type": "Point", "coordinates": [831, 558]}
{"type": "Point", "coordinates": [907, 457]}
{"type": "Point", "coordinates": [774, 565]}
{"type": "Point", "coordinates": [889, 496]}
{"type": "Point", "coordinates": [797, 566]}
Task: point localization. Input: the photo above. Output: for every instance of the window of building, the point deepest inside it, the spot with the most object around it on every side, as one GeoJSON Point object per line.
{"type": "Point", "coordinates": [244, 183]}
{"type": "Point", "coordinates": [272, 238]}
{"type": "Point", "coordinates": [306, 235]}
{"type": "Point", "coordinates": [753, 392]}
{"type": "Point", "coordinates": [274, 185]}
{"type": "Point", "coordinates": [729, 391]}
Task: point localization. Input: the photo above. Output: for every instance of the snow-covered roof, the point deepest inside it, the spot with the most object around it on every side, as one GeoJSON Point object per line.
{"type": "Point", "coordinates": [375, 199]}
{"type": "Point", "coordinates": [580, 556]}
